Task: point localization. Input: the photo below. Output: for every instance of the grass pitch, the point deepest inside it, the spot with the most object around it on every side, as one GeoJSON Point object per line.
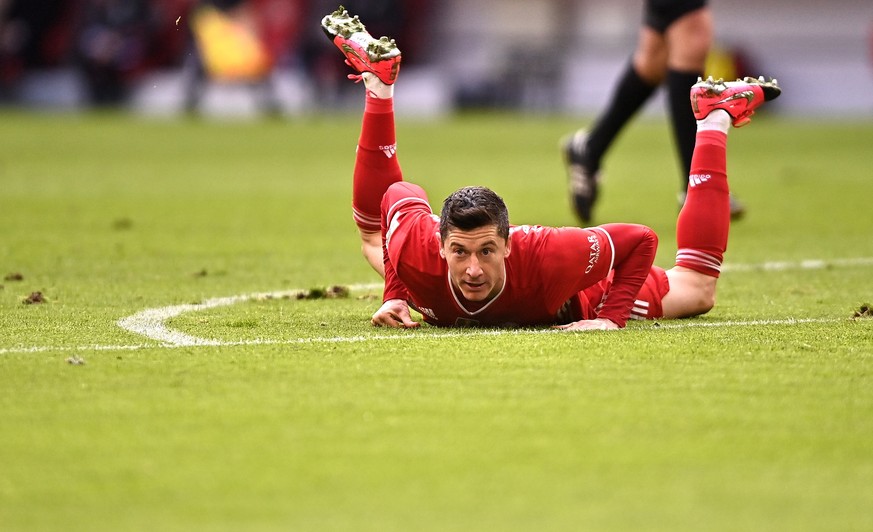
{"type": "Point", "coordinates": [301, 416]}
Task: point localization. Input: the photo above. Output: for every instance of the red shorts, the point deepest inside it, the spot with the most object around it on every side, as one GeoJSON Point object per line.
{"type": "Point", "coordinates": [647, 304]}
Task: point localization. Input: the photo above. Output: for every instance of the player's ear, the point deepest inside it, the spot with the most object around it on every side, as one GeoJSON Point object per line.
{"type": "Point", "coordinates": [442, 252]}
{"type": "Point", "coordinates": [508, 247]}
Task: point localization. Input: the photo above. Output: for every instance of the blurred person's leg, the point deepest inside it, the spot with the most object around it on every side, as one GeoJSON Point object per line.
{"type": "Point", "coordinates": [584, 151]}
{"type": "Point", "coordinates": [672, 47]}
{"type": "Point", "coordinates": [689, 39]}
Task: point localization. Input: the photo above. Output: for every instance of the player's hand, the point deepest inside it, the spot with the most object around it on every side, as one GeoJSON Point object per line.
{"type": "Point", "coordinates": [598, 324]}
{"type": "Point", "coordinates": [394, 313]}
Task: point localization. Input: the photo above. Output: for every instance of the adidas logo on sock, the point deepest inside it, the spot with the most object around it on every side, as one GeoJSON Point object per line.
{"type": "Point", "coordinates": [698, 179]}
{"type": "Point", "coordinates": [389, 150]}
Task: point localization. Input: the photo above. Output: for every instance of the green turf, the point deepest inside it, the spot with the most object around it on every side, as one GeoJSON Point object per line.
{"type": "Point", "coordinates": [317, 421]}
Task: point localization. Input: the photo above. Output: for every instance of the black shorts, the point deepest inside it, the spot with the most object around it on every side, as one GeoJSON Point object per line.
{"type": "Point", "coordinates": [660, 14]}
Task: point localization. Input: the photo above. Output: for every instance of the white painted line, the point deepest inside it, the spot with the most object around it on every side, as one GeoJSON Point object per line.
{"type": "Point", "coordinates": [809, 264]}
{"type": "Point", "coordinates": [151, 323]}
{"type": "Point", "coordinates": [67, 349]}
{"type": "Point", "coordinates": [681, 324]}
{"type": "Point", "coordinates": [430, 334]}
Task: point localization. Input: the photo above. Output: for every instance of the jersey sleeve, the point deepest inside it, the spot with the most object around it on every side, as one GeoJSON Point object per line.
{"type": "Point", "coordinates": [563, 261]}
{"type": "Point", "coordinates": [394, 287]}
{"type": "Point", "coordinates": [634, 252]}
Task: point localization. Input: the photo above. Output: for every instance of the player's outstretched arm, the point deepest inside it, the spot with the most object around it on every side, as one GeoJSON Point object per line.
{"type": "Point", "coordinates": [394, 313]}
{"type": "Point", "coordinates": [597, 324]}
{"type": "Point", "coordinates": [634, 251]}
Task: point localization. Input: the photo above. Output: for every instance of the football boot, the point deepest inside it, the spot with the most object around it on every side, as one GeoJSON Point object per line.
{"type": "Point", "coordinates": [582, 180]}
{"type": "Point", "coordinates": [362, 51]}
{"type": "Point", "coordinates": [739, 98]}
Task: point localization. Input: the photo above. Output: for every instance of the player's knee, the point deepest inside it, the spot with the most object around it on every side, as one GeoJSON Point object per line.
{"type": "Point", "coordinates": [705, 303]}
{"type": "Point", "coordinates": [689, 40]}
{"type": "Point", "coordinates": [690, 306]}
{"type": "Point", "coordinates": [691, 294]}
{"type": "Point", "coordinates": [650, 64]}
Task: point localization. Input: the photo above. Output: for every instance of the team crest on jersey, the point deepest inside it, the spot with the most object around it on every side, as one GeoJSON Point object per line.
{"type": "Point", "coordinates": [389, 150]}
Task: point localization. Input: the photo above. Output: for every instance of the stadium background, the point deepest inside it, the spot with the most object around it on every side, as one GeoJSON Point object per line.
{"type": "Point", "coordinates": [550, 56]}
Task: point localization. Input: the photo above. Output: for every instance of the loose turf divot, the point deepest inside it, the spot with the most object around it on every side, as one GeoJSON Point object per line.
{"type": "Point", "coordinates": [864, 311]}
{"type": "Point", "coordinates": [331, 292]}
{"type": "Point", "coordinates": [34, 298]}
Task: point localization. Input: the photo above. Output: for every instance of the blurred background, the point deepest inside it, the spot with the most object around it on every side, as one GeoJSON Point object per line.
{"type": "Point", "coordinates": [251, 58]}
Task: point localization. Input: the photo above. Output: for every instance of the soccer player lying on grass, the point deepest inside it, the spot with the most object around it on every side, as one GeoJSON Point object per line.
{"type": "Point", "coordinates": [470, 267]}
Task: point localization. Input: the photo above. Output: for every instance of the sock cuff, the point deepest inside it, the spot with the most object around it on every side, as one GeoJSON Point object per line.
{"type": "Point", "coordinates": [378, 105]}
{"type": "Point", "coordinates": [700, 261]}
{"type": "Point", "coordinates": [711, 135]}
{"type": "Point", "coordinates": [684, 74]}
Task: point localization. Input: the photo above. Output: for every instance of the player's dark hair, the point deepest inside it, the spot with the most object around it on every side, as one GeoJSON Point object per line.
{"type": "Point", "coordinates": [474, 207]}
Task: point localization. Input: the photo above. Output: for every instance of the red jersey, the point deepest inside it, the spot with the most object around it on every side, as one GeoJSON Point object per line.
{"type": "Point", "coordinates": [546, 272]}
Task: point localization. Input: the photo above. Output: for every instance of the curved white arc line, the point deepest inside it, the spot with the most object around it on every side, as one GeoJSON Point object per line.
{"type": "Point", "coordinates": [151, 322]}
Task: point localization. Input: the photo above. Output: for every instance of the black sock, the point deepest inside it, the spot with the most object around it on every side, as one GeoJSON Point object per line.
{"type": "Point", "coordinates": [630, 93]}
{"type": "Point", "coordinates": [682, 117]}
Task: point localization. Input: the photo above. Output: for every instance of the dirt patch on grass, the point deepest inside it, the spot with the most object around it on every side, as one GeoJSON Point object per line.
{"type": "Point", "coordinates": [864, 311]}
{"type": "Point", "coordinates": [34, 298]}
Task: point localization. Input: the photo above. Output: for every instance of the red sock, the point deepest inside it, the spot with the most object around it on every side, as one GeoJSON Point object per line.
{"type": "Point", "coordinates": [702, 228]}
{"type": "Point", "coordinates": [376, 166]}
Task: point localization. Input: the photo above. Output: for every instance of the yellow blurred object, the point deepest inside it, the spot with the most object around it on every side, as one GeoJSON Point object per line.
{"type": "Point", "coordinates": [231, 49]}
{"type": "Point", "coordinates": [721, 63]}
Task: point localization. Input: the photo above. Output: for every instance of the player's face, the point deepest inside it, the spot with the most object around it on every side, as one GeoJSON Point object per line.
{"type": "Point", "coordinates": [475, 260]}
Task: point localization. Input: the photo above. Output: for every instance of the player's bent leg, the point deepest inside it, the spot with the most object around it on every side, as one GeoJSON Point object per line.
{"type": "Point", "coordinates": [376, 169]}
{"type": "Point", "coordinates": [675, 293]}
{"type": "Point", "coordinates": [704, 222]}
{"type": "Point", "coordinates": [691, 293]}
{"type": "Point", "coordinates": [376, 164]}
{"type": "Point", "coordinates": [371, 248]}
{"type": "Point", "coordinates": [377, 62]}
